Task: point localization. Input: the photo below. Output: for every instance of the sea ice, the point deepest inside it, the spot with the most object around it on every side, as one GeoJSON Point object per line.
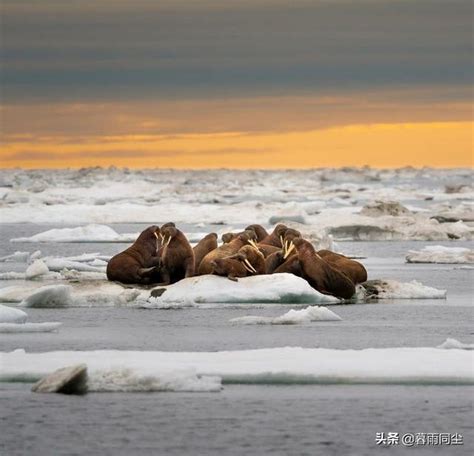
{"type": "Point", "coordinates": [391, 289]}
{"type": "Point", "coordinates": [441, 254]}
{"type": "Point", "coordinates": [49, 296]}
{"type": "Point", "coordinates": [450, 344]}
{"type": "Point", "coordinates": [275, 288]}
{"type": "Point", "coordinates": [285, 365]}
{"type": "Point", "coordinates": [12, 315]}
{"type": "Point", "coordinates": [292, 317]}
{"type": "Point", "coordinates": [29, 327]}
{"type": "Point", "coordinates": [89, 233]}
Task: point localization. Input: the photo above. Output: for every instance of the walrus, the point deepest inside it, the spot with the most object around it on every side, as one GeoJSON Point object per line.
{"type": "Point", "coordinates": [227, 237]}
{"type": "Point", "coordinates": [320, 274]}
{"type": "Point", "coordinates": [353, 269]}
{"type": "Point", "coordinates": [229, 267]}
{"type": "Point", "coordinates": [253, 259]}
{"type": "Point", "coordinates": [276, 237]}
{"type": "Point", "coordinates": [260, 231]}
{"type": "Point", "coordinates": [225, 250]}
{"type": "Point", "coordinates": [177, 258]}
{"type": "Point", "coordinates": [140, 262]}
{"type": "Point", "coordinates": [203, 247]}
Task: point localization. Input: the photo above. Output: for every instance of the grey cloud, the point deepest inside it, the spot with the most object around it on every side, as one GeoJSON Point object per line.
{"type": "Point", "coordinates": [144, 49]}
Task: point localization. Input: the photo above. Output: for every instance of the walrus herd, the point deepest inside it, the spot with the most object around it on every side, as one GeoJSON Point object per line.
{"type": "Point", "coordinates": [163, 255]}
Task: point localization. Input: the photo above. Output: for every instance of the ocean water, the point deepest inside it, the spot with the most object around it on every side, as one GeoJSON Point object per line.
{"type": "Point", "coordinates": [243, 419]}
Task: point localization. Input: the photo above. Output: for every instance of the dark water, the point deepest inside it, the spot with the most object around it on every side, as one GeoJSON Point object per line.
{"type": "Point", "coordinates": [250, 419]}
{"type": "Point", "coordinates": [241, 420]}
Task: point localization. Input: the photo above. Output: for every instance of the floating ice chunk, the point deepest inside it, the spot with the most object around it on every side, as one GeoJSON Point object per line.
{"type": "Point", "coordinates": [88, 233]}
{"type": "Point", "coordinates": [391, 289]}
{"type": "Point", "coordinates": [16, 293]}
{"type": "Point", "coordinates": [11, 275]}
{"type": "Point", "coordinates": [36, 269]}
{"type": "Point", "coordinates": [286, 365]}
{"type": "Point", "coordinates": [379, 208]}
{"type": "Point", "coordinates": [275, 288]}
{"type": "Point", "coordinates": [441, 254]}
{"type": "Point", "coordinates": [12, 315]}
{"type": "Point", "coordinates": [292, 317]}
{"type": "Point", "coordinates": [49, 296]}
{"type": "Point", "coordinates": [129, 380]}
{"type": "Point", "coordinates": [18, 257]}
{"type": "Point", "coordinates": [289, 213]}
{"type": "Point", "coordinates": [29, 327]}
{"type": "Point", "coordinates": [455, 344]}
{"type": "Point", "coordinates": [58, 264]}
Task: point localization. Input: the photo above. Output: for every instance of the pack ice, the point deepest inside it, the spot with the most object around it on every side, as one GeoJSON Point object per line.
{"type": "Point", "coordinates": [441, 254]}
{"type": "Point", "coordinates": [14, 320]}
{"type": "Point", "coordinates": [286, 365]}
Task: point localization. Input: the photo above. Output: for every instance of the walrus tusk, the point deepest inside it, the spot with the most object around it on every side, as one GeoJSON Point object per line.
{"type": "Point", "coordinates": [247, 268]}
{"type": "Point", "coordinates": [253, 244]}
{"type": "Point", "coordinates": [162, 237]}
{"type": "Point", "coordinates": [289, 250]}
{"type": "Point", "coordinates": [252, 269]}
{"type": "Point", "coordinates": [168, 241]}
{"type": "Point", "coordinates": [281, 240]}
{"type": "Point", "coordinates": [156, 235]}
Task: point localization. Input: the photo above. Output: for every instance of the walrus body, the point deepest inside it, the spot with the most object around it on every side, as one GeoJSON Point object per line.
{"type": "Point", "coordinates": [276, 264]}
{"type": "Point", "coordinates": [224, 251]}
{"type": "Point", "coordinates": [139, 263]}
{"type": "Point", "coordinates": [320, 274]}
{"type": "Point", "coordinates": [204, 246]}
{"type": "Point", "coordinates": [253, 260]}
{"type": "Point", "coordinates": [177, 260]}
{"type": "Point", "coordinates": [228, 267]}
{"type": "Point", "coordinates": [353, 269]}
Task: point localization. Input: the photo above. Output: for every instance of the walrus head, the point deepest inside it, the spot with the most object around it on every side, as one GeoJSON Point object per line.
{"type": "Point", "coordinates": [150, 236]}
{"type": "Point", "coordinates": [227, 237]}
{"type": "Point", "coordinates": [279, 232]}
{"type": "Point", "coordinates": [289, 235]}
{"type": "Point", "coordinates": [247, 236]}
{"type": "Point", "coordinates": [260, 231]}
{"type": "Point", "coordinates": [168, 232]}
{"type": "Point", "coordinates": [244, 255]}
{"type": "Point", "coordinates": [302, 245]}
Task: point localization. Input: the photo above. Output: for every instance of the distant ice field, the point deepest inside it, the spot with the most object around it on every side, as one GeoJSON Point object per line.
{"type": "Point", "coordinates": [245, 419]}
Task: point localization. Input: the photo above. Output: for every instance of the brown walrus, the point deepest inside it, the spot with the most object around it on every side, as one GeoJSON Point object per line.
{"type": "Point", "coordinates": [227, 237]}
{"type": "Point", "coordinates": [353, 269]}
{"type": "Point", "coordinates": [276, 237]}
{"type": "Point", "coordinates": [177, 258]}
{"type": "Point", "coordinates": [138, 263]}
{"type": "Point", "coordinates": [224, 251]}
{"type": "Point", "coordinates": [253, 259]}
{"type": "Point", "coordinates": [203, 247]}
{"type": "Point", "coordinates": [260, 231]}
{"type": "Point", "coordinates": [320, 274]}
{"type": "Point", "coordinates": [229, 267]}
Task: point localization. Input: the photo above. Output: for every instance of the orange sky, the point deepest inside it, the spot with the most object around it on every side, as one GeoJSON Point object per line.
{"type": "Point", "coordinates": [239, 83]}
{"type": "Point", "coordinates": [438, 144]}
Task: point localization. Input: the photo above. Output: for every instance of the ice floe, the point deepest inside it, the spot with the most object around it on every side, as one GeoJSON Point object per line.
{"type": "Point", "coordinates": [129, 380]}
{"type": "Point", "coordinates": [15, 321]}
{"type": "Point", "coordinates": [292, 317]}
{"type": "Point", "coordinates": [391, 289]}
{"type": "Point", "coordinates": [286, 365]}
{"type": "Point", "coordinates": [17, 257]}
{"type": "Point", "coordinates": [89, 233]}
{"type": "Point", "coordinates": [49, 296]}
{"type": "Point", "coordinates": [454, 344]}
{"type": "Point", "coordinates": [441, 254]}
{"type": "Point", "coordinates": [29, 327]}
{"type": "Point", "coordinates": [12, 315]}
{"type": "Point", "coordinates": [275, 288]}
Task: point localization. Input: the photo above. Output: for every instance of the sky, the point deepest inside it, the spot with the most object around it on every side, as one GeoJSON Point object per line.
{"type": "Point", "coordinates": [236, 83]}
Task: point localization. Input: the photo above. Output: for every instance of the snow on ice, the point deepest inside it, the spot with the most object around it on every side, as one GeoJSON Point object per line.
{"type": "Point", "coordinates": [441, 254]}
{"type": "Point", "coordinates": [286, 365]}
